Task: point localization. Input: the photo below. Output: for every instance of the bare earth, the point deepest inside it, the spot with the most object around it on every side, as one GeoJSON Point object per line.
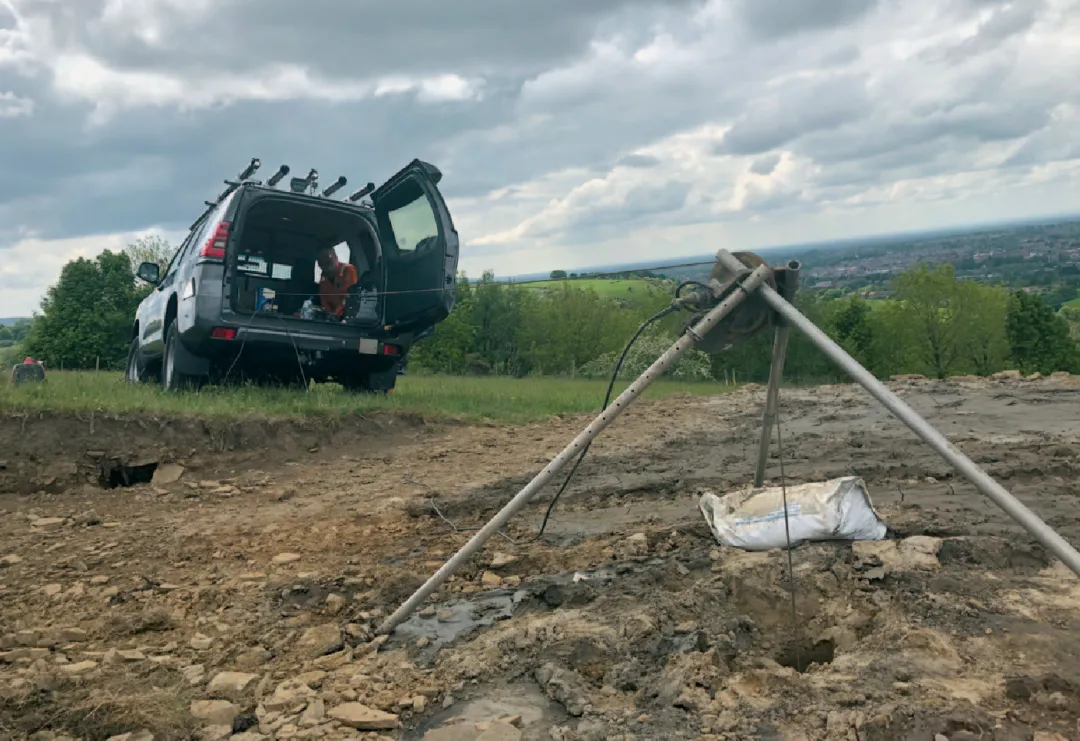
{"type": "Point", "coordinates": [241, 597]}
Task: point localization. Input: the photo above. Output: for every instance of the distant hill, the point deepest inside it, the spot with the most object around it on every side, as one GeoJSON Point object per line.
{"type": "Point", "coordinates": [8, 321]}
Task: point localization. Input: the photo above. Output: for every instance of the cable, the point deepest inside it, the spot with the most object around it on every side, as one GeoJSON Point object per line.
{"type": "Point", "coordinates": [607, 400]}
{"type": "Point", "coordinates": [787, 536]}
{"type": "Point", "coordinates": [535, 283]}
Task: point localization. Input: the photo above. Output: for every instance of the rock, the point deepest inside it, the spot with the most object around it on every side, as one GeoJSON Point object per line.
{"type": "Point", "coordinates": [314, 713]}
{"type": "Point", "coordinates": [320, 640]}
{"type": "Point", "coordinates": [47, 523]}
{"type": "Point", "coordinates": [143, 735]}
{"type": "Point", "coordinates": [419, 703]}
{"type": "Point", "coordinates": [199, 642]}
{"type": "Point", "coordinates": [1047, 736]}
{"type": "Point", "coordinates": [1007, 375]}
{"type": "Point", "coordinates": [635, 545]}
{"type": "Point", "coordinates": [215, 733]}
{"type": "Point", "coordinates": [290, 695]}
{"type": "Point", "coordinates": [564, 687]}
{"type": "Point", "coordinates": [10, 560]}
{"type": "Point", "coordinates": [51, 590]}
{"type": "Point", "coordinates": [248, 736]}
{"type": "Point", "coordinates": [72, 635]}
{"type": "Point", "coordinates": [215, 712]}
{"type": "Point", "coordinates": [491, 579]}
{"type": "Point", "coordinates": [132, 655]}
{"type": "Point", "coordinates": [194, 674]}
{"type": "Point", "coordinates": [166, 474]}
{"type": "Point", "coordinates": [363, 718]}
{"type": "Point", "coordinates": [501, 560]}
{"type": "Point", "coordinates": [232, 685]}
{"type": "Point", "coordinates": [82, 667]}
{"type": "Point", "coordinates": [445, 615]}
{"type": "Point", "coordinates": [335, 660]}
{"type": "Point", "coordinates": [283, 559]}
{"type": "Point", "coordinates": [252, 658]}
{"type": "Point", "coordinates": [335, 603]}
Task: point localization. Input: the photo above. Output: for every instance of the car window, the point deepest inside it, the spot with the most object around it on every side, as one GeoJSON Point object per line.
{"type": "Point", "coordinates": [413, 223]}
{"type": "Point", "coordinates": [344, 254]}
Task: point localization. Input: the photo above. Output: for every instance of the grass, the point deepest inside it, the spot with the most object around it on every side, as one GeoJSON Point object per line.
{"type": "Point", "coordinates": [625, 289]}
{"type": "Point", "coordinates": [506, 400]}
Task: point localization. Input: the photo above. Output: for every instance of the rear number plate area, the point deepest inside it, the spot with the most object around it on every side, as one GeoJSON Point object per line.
{"type": "Point", "coordinates": [369, 347]}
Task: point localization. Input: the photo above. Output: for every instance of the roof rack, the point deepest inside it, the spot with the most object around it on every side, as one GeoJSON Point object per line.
{"type": "Point", "coordinates": [231, 186]}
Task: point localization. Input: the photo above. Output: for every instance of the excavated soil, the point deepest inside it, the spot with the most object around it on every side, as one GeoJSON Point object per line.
{"type": "Point", "coordinates": [236, 593]}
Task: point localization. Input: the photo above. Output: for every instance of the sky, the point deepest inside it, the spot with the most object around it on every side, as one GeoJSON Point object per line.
{"type": "Point", "coordinates": [570, 133]}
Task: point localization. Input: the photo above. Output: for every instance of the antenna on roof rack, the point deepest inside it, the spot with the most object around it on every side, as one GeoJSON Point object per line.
{"type": "Point", "coordinates": [369, 188]}
{"type": "Point", "coordinates": [299, 185]}
{"type": "Point", "coordinates": [277, 176]}
{"type": "Point", "coordinates": [231, 186]}
{"type": "Point", "coordinates": [334, 187]}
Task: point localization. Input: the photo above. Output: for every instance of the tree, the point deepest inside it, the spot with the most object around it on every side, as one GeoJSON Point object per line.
{"type": "Point", "coordinates": [1039, 339]}
{"type": "Point", "coordinates": [150, 248]}
{"type": "Point", "coordinates": [557, 275]}
{"type": "Point", "coordinates": [87, 315]}
{"type": "Point", "coordinates": [986, 341]}
{"type": "Point", "coordinates": [934, 304]}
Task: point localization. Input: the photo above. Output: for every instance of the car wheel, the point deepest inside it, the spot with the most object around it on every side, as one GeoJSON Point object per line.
{"type": "Point", "coordinates": [172, 379]}
{"type": "Point", "coordinates": [136, 371]}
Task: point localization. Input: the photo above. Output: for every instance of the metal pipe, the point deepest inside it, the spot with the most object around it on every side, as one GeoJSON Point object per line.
{"type": "Point", "coordinates": [772, 400]}
{"type": "Point", "coordinates": [776, 375]}
{"type": "Point", "coordinates": [1043, 533]}
{"type": "Point", "coordinates": [606, 417]}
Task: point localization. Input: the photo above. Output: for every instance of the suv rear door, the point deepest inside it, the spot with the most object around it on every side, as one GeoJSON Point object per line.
{"type": "Point", "coordinates": [420, 247]}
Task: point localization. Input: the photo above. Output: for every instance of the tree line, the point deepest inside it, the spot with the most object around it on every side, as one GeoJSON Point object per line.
{"type": "Point", "coordinates": [935, 324]}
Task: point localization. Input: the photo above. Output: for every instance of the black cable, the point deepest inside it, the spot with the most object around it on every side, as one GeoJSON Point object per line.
{"type": "Point", "coordinates": [607, 400]}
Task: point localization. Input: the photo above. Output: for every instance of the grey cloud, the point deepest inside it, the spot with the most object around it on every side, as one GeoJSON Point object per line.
{"type": "Point", "coordinates": [797, 111]}
{"type": "Point", "coordinates": [1006, 22]}
{"type": "Point", "coordinates": [765, 165]}
{"type": "Point", "coordinates": [639, 161]}
{"type": "Point", "coordinates": [353, 38]}
{"type": "Point", "coordinates": [776, 18]}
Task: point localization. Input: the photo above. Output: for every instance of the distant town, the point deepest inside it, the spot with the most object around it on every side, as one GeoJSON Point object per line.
{"type": "Point", "coordinates": [1043, 258]}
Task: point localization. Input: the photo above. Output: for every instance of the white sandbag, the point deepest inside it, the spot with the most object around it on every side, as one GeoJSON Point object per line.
{"type": "Point", "coordinates": [753, 519]}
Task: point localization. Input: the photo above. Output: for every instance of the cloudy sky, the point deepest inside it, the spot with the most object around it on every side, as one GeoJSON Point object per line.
{"type": "Point", "coordinates": [570, 132]}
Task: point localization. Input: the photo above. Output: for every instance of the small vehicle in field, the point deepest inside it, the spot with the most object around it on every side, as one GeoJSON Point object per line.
{"type": "Point", "coordinates": [239, 300]}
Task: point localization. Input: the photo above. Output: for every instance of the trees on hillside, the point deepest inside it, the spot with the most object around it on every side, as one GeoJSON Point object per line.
{"type": "Point", "coordinates": [86, 316]}
{"type": "Point", "coordinates": [1039, 339]}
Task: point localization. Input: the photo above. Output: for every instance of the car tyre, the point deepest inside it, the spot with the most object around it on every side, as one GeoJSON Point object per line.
{"type": "Point", "coordinates": [370, 382]}
{"type": "Point", "coordinates": [172, 378]}
{"type": "Point", "coordinates": [136, 369]}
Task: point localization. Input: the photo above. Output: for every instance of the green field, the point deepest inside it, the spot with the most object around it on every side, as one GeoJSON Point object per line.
{"type": "Point", "coordinates": [625, 289]}
{"type": "Point", "coordinates": [507, 400]}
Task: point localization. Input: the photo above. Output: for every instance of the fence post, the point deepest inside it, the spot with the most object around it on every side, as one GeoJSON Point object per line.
{"type": "Point", "coordinates": [97, 364]}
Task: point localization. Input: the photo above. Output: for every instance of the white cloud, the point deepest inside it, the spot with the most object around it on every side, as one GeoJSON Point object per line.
{"type": "Point", "coordinates": [12, 106]}
{"type": "Point", "coordinates": [31, 265]}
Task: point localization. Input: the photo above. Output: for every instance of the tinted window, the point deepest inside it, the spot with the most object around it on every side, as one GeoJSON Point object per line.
{"type": "Point", "coordinates": [413, 222]}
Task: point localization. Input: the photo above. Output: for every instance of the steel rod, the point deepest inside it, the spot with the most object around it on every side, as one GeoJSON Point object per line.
{"type": "Point", "coordinates": [1043, 533]}
{"type": "Point", "coordinates": [772, 399]}
{"type": "Point", "coordinates": [752, 282]}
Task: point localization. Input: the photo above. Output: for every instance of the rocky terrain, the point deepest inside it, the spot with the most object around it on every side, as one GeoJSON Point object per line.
{"type": "Point", "coordinates": [181, 579]}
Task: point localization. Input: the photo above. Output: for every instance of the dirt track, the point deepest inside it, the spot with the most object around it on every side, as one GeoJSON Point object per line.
{"type": "Point", "coordinates": [121, 607]}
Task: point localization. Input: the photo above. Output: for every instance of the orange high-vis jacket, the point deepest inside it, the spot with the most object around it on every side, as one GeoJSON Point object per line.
{"type": "Point", "coordinates": [334, 288]}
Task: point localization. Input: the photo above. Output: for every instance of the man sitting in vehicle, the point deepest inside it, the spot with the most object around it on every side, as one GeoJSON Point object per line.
{"type": "Point", "coordinates": [337, 278]}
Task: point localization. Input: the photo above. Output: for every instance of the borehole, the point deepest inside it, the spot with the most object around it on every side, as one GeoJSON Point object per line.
{"type": "Point", "coordinates": [808, 653]}
{"type": "Point", "coordinates": [114, 473]}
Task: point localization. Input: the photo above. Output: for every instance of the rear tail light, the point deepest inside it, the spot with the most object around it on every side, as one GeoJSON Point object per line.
{"type": "Point", "coordinates": [391, 350]}
{"type": "Point", "coordinates": [223, 333]}
{"type": "Point", "coordinates": [214, 249]}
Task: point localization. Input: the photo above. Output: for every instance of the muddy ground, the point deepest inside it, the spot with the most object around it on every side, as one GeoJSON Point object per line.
{"type": "Point", "coordinates": [237, 593]}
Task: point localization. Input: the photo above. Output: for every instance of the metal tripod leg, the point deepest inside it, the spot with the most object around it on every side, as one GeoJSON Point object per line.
{"type": "Point", "coordinates": [772, 399]}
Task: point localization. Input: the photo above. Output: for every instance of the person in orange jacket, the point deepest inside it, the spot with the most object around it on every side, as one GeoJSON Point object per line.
{"type": "Point", "coordinates": [337, 278]}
